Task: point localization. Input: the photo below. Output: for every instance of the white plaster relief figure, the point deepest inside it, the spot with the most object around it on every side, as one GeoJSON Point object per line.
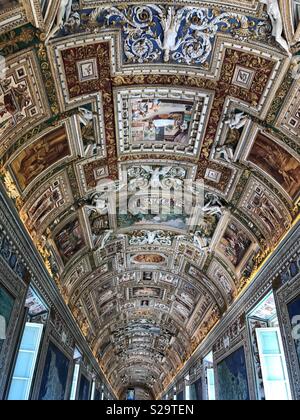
{"type": "Point", "coordinates": [85, 116]}
{"type": "Point", "coordinates": [99, 204]}
{"type": "Point", "coordinates": [170, 25]}
{"type": "Point", "coordinates": [103, 239]}
{"type": "Point", "coordinates": [274, 13]}
{"type": "Point", "coordinates": [62, 16]}
{"type": "Point", "coordinates": [225, 152]}
{"type": "Point", "coordinates": [201, 241]}
{"type": "Point", "coordinates": [156, 237]}
{"type": "Point", "coordinates": [156, 174]}
{"type": "Point", "coordinates": [86, 119]}
{"type": "Point", "coordinates": [237, 120]}
{"type": "Point", "coordinates": [214, 206]}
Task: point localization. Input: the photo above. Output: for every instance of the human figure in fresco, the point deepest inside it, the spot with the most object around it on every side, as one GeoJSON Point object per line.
{"type": "Point", "coordinates": [278, 162]}
{"type": "Point", "coordinates": [40, 156]}
{"type": "Point", "coordinates": [54, 387]}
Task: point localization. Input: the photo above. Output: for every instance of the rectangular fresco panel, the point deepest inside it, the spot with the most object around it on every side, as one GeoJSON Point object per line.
{"type": "Point", "coordinates": [180, 396]}
{"type": "Point", "coordinates": [46, 203]}
{"type": "Point", "coordinates": [55, 376]}
{"type": "Point", "coordinates": [176, 221]}
{"type": "Point", "coordinates": [97, 396]}
{"type": "Point", "coordinates": [278, 163]}
{"type": "Point", "coordinates": [6, 307]}
{"type": "Point", "coordinates": [40, 156]}
{"type": "Point", "coordinates": [7, 4]}
{"type": "Point", "coordinates": [232, 376]}
{"type": "Point", "coordinates": [235, 244]}
{"type": "Point", "coordinates": [70, 240]}
{"type": "Point", "coordinates": [294, 313]}
{"type": "Point", "coordinates": [196, 391]}
{"type": "Point", "coordinates": [160, 120]}
{"type": "Point", "coordinates": [84, 389]}
{"type": "Point", "coordinates": [151, 292]}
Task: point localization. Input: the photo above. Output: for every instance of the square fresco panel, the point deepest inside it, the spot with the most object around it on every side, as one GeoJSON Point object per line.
{"type": "Point", "coordinates": [84, 389]}
{"type": "Point", "coordinates": [235, 244]}
{"type": "Point", "coordinates": [6, 308]}
{"type": "Point", "coordinates": [70, 240]}
{"type": "Point", "coordinates": [278, 163]}
{"type": "Point", "coordinates": [40, 156]}
{"type": "Point", "coordinates": [232, 376]}
{"type": "Point", "coordinates": [160, 120]}
{"type": "Point", "coordinates": [294, 313]}
{"type": "Point", "coordinates": [55, 376]}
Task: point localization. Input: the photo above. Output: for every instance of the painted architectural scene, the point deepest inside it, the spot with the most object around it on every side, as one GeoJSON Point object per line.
{"type": "Point", "coordinates": [160, 120]}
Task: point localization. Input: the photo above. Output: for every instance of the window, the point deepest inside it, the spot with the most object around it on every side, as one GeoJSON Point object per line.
{"type": "Point", "coordinates": [210, 376]}
{"type": "Point", "coordinates": [274, 370]}
{"type": "Point", "coordinates": [77, 357]}
{"type": "Point", "coordinates": [187, 388]}
{"type": "Point", "coordinates": [211, 384]}
{"type": "Point", "coordinates": [75, 382]}
{"type": "Point", "coordinates": [268, 358]}
{"type": "Point", "coordinates": [26, 361]}
{"type": "Point", "coordinates": [93, 393]}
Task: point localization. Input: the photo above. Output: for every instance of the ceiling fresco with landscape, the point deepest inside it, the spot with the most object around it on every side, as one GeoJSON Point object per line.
{"type": "Point", "coordinates": [154, 98]}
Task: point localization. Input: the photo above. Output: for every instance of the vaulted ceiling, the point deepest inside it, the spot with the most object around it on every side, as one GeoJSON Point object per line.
{"type": "Point", "coordinates": [160, 96]}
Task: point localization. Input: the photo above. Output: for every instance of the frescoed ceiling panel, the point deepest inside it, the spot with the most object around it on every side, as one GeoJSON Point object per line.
{"type": "Point", "coordinates": [159, 96]}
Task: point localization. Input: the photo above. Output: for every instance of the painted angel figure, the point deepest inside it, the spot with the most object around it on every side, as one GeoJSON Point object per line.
{"type": "Point", "coordinates": [62, 16]}
{"type": "Point", "coordinates": [237, 120]}
{"type": "Point", "coordinates": [274, 13]}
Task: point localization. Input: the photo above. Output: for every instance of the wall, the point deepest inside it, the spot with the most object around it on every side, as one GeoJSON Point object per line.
{"type": "Point", "coordinates": [230, 339]}
{"type": "Point", "coordinates": [21, 266]}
